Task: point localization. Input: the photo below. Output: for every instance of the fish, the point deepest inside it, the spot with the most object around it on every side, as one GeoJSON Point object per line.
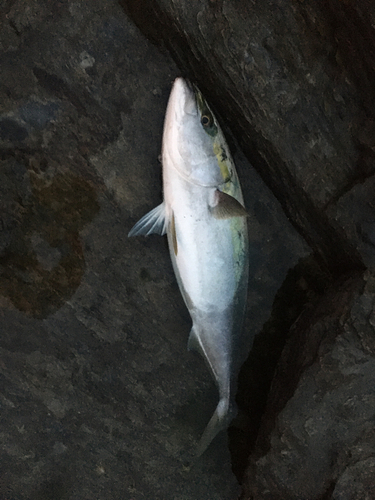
{"type": "Point", "coordinates": [204, 217]}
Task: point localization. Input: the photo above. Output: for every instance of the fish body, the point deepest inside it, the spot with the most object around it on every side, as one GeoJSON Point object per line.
{"type": "Point", "coordinates": [205, 221]}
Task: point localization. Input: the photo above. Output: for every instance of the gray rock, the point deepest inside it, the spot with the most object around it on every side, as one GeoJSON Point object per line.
{"type": "Point", "coordinates": [290, 93]}
{"type": "Point", "coordinates": [295, 81]}
{"type": "Point", "coordinates": [317, 429]}
{"type": "Point", "coordinates": [99, 396]}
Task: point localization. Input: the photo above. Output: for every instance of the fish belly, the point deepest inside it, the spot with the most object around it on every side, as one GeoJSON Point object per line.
{"type": "Point", "coordinates": [204, 263]}
{"type": "Point", "coordinates": [205, 257]}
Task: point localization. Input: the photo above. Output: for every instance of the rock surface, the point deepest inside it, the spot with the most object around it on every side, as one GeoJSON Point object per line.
{"type": "Point", "coordinates": [278, 73]}
{"type": "Point", "coordinates": [317, 438]}
{"type": "Point", "coordinates": [99, 397]}
{"type": "Point", "coordinates": [295, 82]}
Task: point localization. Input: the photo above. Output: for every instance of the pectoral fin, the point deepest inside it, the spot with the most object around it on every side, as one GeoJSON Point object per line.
{"type": "Point", "coordinates": [152, 222]}
{"type": "Point", "coordinates": [225, 206]}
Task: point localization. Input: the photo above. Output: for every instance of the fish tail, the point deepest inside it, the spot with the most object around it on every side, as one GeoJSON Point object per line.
{"type": "Point", "coordinates": [224, 413]}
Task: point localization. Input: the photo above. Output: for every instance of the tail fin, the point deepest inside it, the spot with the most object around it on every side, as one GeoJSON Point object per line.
{"type": "Point", "coordinates": [220, 420]}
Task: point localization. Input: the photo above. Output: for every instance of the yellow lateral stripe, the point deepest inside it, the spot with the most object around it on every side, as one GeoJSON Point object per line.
{"type": "Point", "coordinates": [225, 172]}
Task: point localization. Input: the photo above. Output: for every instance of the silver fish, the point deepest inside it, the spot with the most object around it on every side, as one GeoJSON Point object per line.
{"type": "Point", "coordinates": [205, 220]}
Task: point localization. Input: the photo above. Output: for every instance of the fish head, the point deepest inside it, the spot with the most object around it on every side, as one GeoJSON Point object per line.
{"type": "Point", "coordinates": [193, 142]}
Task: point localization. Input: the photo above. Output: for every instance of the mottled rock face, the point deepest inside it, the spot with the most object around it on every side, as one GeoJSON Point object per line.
{"type": "Point", "coordinates": [295, 96]}
{"type": "Point", "coordinates": [317, 432]}
{"type": "Point", "coordinates": [296, 81]}
{"type": "Point", "coordinates": [98, 396]}
{"type": "Point", "coordinates": [42, 258]}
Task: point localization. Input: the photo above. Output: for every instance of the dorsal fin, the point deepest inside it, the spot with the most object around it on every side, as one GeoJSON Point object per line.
{"type": "Point", "coordinates": [152, 223]}
{"type": "Point", "coordinates": [226, 207]}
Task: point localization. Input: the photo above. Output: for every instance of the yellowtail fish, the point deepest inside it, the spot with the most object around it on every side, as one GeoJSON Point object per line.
{"type": "Point", "coordinates": [205, 221]}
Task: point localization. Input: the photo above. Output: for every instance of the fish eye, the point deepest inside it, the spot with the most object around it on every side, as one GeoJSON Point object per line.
{"type": "Point", "coordinates": [206, 120]}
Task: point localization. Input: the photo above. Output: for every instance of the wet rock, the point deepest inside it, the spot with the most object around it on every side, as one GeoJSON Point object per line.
{"type": "Point", "coordinates": [42, 260]}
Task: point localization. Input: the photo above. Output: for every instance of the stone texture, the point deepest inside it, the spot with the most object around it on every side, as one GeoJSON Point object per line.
{"type": "Point", "coordinates": [99, 396]}
{"type": "Point", "coordinates": [295, 81]}
{"type": "Point", "coordinates": [282, 75]}
{"type": "Point", "coordinates": [317, 438]}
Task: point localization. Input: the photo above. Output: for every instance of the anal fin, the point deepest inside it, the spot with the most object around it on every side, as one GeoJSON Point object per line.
{"type": "Point", "coordinates": [193, 342]}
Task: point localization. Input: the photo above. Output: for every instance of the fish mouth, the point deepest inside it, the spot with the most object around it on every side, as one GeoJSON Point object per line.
{"type": "Point", "coordinates": [191, 104]}
{"type": "Point", "coordinates": [190, 86]}
{"type": "Point", "coordinates": [198, 97]}
{"type": "Point", "coordinates": [199, 100]}
{"type": "Point", "coordinates": [194, 90]}
{"type": "Point", "coordinates": [182, 99]}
